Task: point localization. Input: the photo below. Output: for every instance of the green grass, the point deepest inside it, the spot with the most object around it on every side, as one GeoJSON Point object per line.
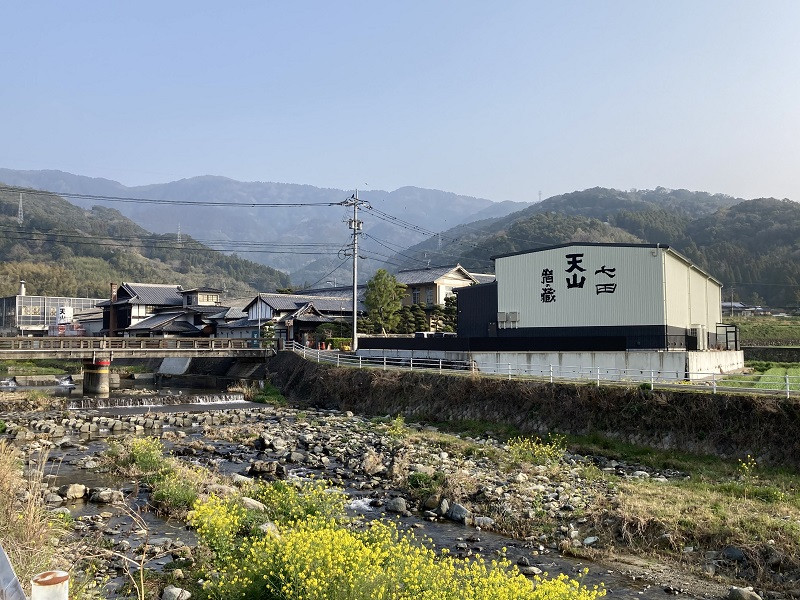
{"type": "Point", "coordinates": [269, 395]}
{"type": "Point", "coordinates": [767, 330]}
{"type": "Point", "coordinates": [29, 367]}
{"type": "Point", "coordinates": [773, 378]}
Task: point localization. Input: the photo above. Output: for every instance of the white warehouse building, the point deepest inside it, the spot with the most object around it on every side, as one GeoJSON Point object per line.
{"type": "Point", "coordinates": [620, 307]}
{"type": "Point", "coordinates": [608, 296]}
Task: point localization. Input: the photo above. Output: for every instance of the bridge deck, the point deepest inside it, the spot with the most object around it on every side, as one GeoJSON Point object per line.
{"type": "Point", "coordinates": [21, 348]}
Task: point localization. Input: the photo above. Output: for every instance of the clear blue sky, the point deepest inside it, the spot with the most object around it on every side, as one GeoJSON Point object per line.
{"type": "Point", "coordinates": [491, 99]}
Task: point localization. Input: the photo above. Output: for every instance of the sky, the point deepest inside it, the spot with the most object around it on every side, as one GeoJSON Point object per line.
{"type": "Point", "coordinates": [500, 100]}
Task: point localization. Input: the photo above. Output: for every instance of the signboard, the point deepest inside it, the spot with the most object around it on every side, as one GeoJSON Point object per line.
{"type": "Point", "coordinates": [65, 314]}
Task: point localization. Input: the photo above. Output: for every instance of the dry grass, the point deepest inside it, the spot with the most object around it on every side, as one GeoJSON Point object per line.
{"type": "Point", "coordinates": [26, 530]}
{"type": "Point", "coordinates": [666, 517]}
{"type": "Point", "coordinates": [30, 400]}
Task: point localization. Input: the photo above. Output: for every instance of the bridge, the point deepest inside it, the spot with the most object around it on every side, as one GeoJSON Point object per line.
{"type": "Point", "coordinates": [97, 353]}
{"type": "Point", "coordinates": [28, 348]}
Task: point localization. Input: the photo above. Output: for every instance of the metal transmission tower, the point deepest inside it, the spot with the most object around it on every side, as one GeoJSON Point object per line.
{"type": "Point", "coordinates": [19, 211]}
{"type": "Point", "coordinates": [352, 250]}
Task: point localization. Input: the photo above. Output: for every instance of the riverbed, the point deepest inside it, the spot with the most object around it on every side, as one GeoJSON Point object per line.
{"type": "Point", "coordinates": [289, 443]}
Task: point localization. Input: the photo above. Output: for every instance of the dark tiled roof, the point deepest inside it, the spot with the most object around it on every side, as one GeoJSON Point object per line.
{"type": "Point", "coordinates": [239, 323]}
{"type": "Point", "coordinates": [291, 302]}
{"type": "Point", "coordinates": [483, 277]}
{"type": "Point", "coordinates": [156, 294]}
{"type": "Point", "coordinates": [156, 320]}
{"type": "Point", "coordinates": [209, 290]}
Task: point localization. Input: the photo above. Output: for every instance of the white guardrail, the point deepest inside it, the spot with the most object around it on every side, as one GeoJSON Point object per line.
{"type": "Point", "coordinates": [759, 383]}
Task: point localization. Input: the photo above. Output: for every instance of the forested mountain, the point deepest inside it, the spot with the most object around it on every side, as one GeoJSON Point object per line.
{"type": "Point", "coordinates": [752, 246]}
{"type": "Point", "coordinates": [290, 230]}
{"type": "Point", "coordinates": [61, 249]}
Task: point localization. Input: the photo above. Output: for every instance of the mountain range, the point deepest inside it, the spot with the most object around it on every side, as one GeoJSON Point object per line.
{"type": "Point", "coordinates": [304, 241]}
{"type": "Point", "coordinates": [752, 246]}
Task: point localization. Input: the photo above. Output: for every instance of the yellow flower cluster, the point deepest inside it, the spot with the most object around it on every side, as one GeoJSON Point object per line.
{"type": "Point", "coordinates": [319, 559]}
{"type": "Point", "coordinates": [536, 451]}
{"type": "Point", "coordinates": [218, 522]}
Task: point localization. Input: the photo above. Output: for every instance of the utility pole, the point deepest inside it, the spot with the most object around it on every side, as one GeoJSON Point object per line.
{"type": "Point", "coordinates": [356, 226]}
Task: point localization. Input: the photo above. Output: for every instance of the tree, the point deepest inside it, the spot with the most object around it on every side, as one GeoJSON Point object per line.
{"type": "Point", "coordinates": [384, 299]}
{"type": "Point", "coordinates": [450, 316]}
{"type": "Point", "coordinates": [421, 322]}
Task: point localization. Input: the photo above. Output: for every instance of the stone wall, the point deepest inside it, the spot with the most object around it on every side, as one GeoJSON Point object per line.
{"type": "Point", "coordinates": [775, 354]}
{"type": "Point", "coordinates": [723, 425]}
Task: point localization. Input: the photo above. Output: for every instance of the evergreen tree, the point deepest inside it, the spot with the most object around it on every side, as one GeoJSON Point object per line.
{"type": "Point", "coordinates": [384, 299]}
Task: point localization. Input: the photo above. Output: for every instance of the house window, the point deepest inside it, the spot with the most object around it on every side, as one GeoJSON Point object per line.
{"type": "Point", "coordinates": [415, 295]}
{"type": "Point", "coordinates": [429, 297]}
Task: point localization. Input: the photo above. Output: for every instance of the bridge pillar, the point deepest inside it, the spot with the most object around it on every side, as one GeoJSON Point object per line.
{"type": "Point", "coordinates": [96, 378]}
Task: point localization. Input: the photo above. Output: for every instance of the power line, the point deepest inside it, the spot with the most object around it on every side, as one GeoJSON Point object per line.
{"type": "Point", "coordinates": [324, 277]}
{"type": "Point", "coordinates": [166, 202]}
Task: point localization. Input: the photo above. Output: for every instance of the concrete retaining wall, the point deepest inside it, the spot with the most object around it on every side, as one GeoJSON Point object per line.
{"type": "Point", "coordinates": [776, 354]}
{"type": "Point", "coordinates": [670, 365]}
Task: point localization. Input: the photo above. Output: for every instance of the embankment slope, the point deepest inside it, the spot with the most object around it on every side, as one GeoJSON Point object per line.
{"type": "Point", "coordinates": [722, 425]}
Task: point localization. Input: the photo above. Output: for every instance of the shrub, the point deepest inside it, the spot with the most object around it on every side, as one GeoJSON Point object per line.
{"type": "Point", "coordinates": [286, 503]}
{"type": "Point", "coordinates": [138, 457]}
{"type": "Point", "coordinates": [175, 492]}
{"type": "Point", "coordinates": [2, 426]}
{"type": "Point", "coordinates": [535, 451]}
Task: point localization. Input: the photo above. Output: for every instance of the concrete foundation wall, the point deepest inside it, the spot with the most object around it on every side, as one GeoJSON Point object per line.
{"type": "Point", "coordinates": [672, 365]}
{"type": "Point", "coordinates": [725, 361]}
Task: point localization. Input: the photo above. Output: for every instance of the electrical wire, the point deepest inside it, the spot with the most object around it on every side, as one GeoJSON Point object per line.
{"type": "Point", "coordinates": [131, 200]}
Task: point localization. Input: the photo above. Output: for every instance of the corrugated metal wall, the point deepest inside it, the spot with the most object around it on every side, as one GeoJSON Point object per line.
{"type": "Point", "coordinates": [477, 310]}
{"type": "Point", "coordinates": [583, 286]}
{"type": "Point", "coordinates": [692, 297]}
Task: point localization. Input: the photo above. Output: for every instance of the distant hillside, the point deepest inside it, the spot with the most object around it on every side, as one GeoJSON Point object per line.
{"type": "Point", "coordinates": [752, 246]}
{"type": "Point", "coordinates": [61, 249]}
{"type": "Point", "coordinates": [287, 228]}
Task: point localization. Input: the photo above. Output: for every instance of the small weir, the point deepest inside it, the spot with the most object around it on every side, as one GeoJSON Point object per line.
{"type": "Point", "coordinates": [155, 400]}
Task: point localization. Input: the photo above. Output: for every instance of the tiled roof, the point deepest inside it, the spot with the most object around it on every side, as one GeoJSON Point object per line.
{"type": "Point", "coordinates": [156, 294]}
{"type": "Point", "coordinates": [427, 275]}
{"type": "Point", "coordinates": [156, 320]}
{"type": "Point", "coordinates": [338, 292]}
{"type": "Point", "coordinates": [239, 323]}
{"type": "Point", "coordinates": [284, 302]}
{"type": "Point", "coordinates": [483, 277]}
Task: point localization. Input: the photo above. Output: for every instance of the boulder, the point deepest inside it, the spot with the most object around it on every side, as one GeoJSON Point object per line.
{"type": "Point", "coordinates": [459, 513]}
{"type": "Point", "coordinates": [396, 505]}
{"type": "Point", "coordinates": [72, 491]}
{"type": "Point", "coordinates": [175, 593]}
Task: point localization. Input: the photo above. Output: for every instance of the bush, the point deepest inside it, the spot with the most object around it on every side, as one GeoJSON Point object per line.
{"type": "Point", "coordinates": [534, 450]}
{"type": "Point", "coordinates": [2, 426]}
{"type": "Point", "coordinates": [286, 502]}
{"type": "Point", "coordinates": [176, 492]}
{"type": "Point", "coordinates": [138, 457]}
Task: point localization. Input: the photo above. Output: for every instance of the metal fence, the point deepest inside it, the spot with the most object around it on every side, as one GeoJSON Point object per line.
{"type": "Point", "coordinates": [785, 383]}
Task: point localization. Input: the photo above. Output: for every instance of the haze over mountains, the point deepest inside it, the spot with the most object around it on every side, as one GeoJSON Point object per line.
{"type": "Point", "coordinates": [285, 228]}
{"type": "Point", "coordinates": [752, 246]}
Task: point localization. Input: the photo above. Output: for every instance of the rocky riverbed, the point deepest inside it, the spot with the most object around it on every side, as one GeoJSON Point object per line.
{"type": "Point", "coordinates": [467, 494]}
